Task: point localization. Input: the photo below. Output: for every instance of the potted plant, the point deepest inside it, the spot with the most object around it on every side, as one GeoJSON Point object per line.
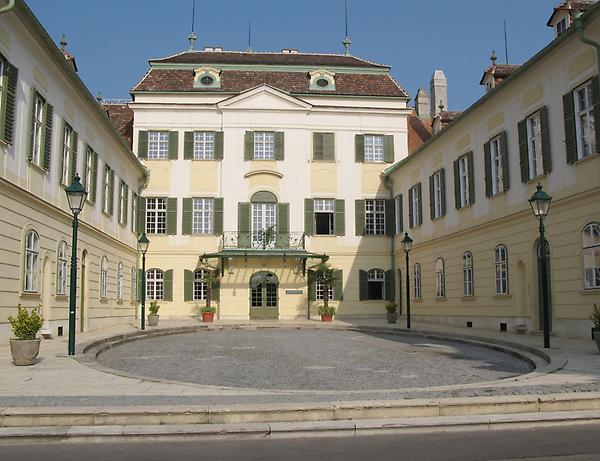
{"type": "Point", "coordinates": [209, 277]}
{"type": "Point", "coordinates": [595, 318]}
{"type": "Point", "coordinates": [208, 313]}
{"type": "Point", "coordinates": [153, 314]}
{"type": "Point", "coordinates": [25, 345]}
{"type": "Point", "coordinates": [392, 312]}
{"type": "Point", "coordinates": [326, 312]}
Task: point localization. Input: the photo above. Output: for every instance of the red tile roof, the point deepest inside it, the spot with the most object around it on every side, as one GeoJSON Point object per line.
{"type": "Point", "coordinates": [122, 118]}
{"type": "Point", "coordinates": [419, 132]}
{"type": "Point", "coordinates": [499, 71]}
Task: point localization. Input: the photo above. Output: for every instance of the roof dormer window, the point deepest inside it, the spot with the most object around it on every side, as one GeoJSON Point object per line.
{"type": "Point", "coordinates": [322, 80]}
{"type": "Point", "coordinates": [207, 77]}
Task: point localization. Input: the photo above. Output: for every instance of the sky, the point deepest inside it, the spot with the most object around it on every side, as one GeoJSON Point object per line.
{"type": "Point", "coordinates": [112, 40]}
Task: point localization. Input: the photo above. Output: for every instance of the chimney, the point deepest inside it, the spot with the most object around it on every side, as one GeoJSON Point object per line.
{"type": "Point", "coordinates": [422, 104]}
{"type": "Point", "coordinates": [439, 92]}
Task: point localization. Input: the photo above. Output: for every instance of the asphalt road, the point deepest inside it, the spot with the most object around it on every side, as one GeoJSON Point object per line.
{"type": "Point", "coordinates": [573, 443]}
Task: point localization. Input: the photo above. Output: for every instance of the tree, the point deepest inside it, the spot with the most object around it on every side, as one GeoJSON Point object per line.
{"type": "Point", "coordinates": [326, 275]}
{"type": "Point", "coordinates": [209, 277]}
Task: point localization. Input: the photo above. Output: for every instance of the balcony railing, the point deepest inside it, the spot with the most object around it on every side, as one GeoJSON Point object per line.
{"type": "Point", "coordinates": [264, 240]}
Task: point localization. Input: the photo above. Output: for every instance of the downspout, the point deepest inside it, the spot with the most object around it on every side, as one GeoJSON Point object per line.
{"type": "Point", "coordinates": [10, 6]}
{"type": "Point", "coordinates": [387, 184]}
{"type": "Point", "coordinates": [579, 28]}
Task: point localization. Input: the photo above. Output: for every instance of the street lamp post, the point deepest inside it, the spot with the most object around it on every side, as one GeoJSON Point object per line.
{"type": "Point", "coordinates": [143, 244]}
{"type": "Point", "coordinates": [407, 245]}
{"type": "Point", "coordinates": [76, 195]}
{"type": "Point", "coordinates": [540, 204]}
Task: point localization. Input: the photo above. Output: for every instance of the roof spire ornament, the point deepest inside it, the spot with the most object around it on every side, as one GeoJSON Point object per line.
{"type": "Point", "coordinates": [441, 106]}
{"type": "Point", "coordinates": [192, 37]}
{"type": "Point", "coordinates": [63, 42]}
{"type": "Point", "coordinates": [346, 42]}
{"type": "Point", "coordinates": [493, 57]}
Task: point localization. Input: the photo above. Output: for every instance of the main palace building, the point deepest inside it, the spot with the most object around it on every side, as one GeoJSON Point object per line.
{"type": "Point", "coordinates": [262, 165]}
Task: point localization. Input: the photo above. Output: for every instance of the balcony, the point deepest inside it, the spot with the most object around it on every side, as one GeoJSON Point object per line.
{"type": "Point", "coordinates": [264, 240]}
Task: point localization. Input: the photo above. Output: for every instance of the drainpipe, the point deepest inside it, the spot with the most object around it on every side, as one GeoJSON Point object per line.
{"type": "Point", "coordinates": [10, 6]}
{"type": "Point", "coordinates": [579, 28]}
{"type": "Point", "coordinates": [387, 184]}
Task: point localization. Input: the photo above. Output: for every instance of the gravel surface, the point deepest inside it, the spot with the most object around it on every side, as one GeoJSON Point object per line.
{"type": "Point", "coordinates": [310, 360]}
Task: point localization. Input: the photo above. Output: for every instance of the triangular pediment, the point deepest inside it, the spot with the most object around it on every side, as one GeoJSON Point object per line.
{"type": "Point", "coordinates": [264, 97]}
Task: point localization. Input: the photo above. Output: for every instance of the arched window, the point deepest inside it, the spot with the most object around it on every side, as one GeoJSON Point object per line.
{"type": "Point", "coordinates": [417, 280]}
{"type": "Point", "coordinates": [104, 277]}
{"type": "Point", "coordinates": [32, 257]}
{"type": "Point", "coordinates": [199, 285]}
{"type": "Point", "coordinates": [440, 278]}
{"type": "Point", "coordinates": [155, 284]}
{"type": "Point", "coordinates": [467, 264]}
{"type": "Point", "coordinates": [61, 268]}
{"type": "Point", "coordinates": [501, 264]}
{"type": "Point", "coordinates": [120, 278]}
{"type": "Point", "coordinates": [591, 255]}
{"type": "Point", "coordinates": [133, 284]}
{"type": "Point", "coordinates": [376, 284]}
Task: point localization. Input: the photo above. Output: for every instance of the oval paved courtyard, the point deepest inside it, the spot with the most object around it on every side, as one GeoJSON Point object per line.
{"type": "Point", "coordinates": [310, 360]}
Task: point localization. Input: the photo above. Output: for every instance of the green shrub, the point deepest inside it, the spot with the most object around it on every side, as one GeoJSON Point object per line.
{"type": "Point", "coordinates": [391, 308]}
{"type": "Point", "coordinates": [326, 310]}
{"type": "Point", "coordinates": [595, 316]}
{"type": "Point", "coordinates": [208, 309]}
{"type": "Point", "coordinates": [154, 307]}
{"type": "Point", "coordinates": [26, 325]}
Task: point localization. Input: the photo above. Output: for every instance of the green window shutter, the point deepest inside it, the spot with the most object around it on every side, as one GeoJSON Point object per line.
{"type": "Point", "coordinates": [94, 185]}
{"type": "Point", "coordinates": [218, 145]}
{"type": "Point", "coordinates": [188, 285]}
{"type": "Point", "coordinates": [401, 217]}
{"type": "Point", "coordinates": [390, 217]}
{"type": "Point", "coordinates": [168, 285]}
{"type": "Point", "coordinates": [74, 148]}
{"type": "Point", "coordinates": [134, 211]}
{"type": "Point", "coordinates": [126, 204]}
{"type": "Point", "coordinates": [359, 217]}
{"type": "Point", "coordinates": [249, 145]}
{"type": "Point", "coordinates": [411, 211]}
{"type": "Point", "coordinates": [31, 124]}
{"type": "Point", "coordinates": [309, 216]}
{"type": "Point", "coordinates": [173, 145]}
{"type": "Point", "coordinates": [218, 216]}
{"type": "Point", "coordinates": [596, 104]}
{"type": "Point", "coordinates": [47, 143]}
{"type": "Point", "coordinates": [388, 148]}
{"type": "Point", "coordinates": [186, 216]}
{"type": "Point", "coordinates": [7, 117]}
{"type": "Point", "coordinates": [471, 177]}
{"type": "Point", "coordinates": [456, 168]}
{"type": "Point", "coordinates": [570, 130]}
{"type": "Point", "coordinates": [142, 144]}
{"type": "Point", "coordinates": [390, 292]}
{"type": "Point", "coordinates": [171, 216]}
{"type": "Point", "coordinates": [283, 225]}
{"type": "Point", "coordinates": [279, 145]}
{"type": "Point", "coordinates": [318, 146]}
{"type": "Point", "coordinates": [359, 148]}
{"type": "Point", "coordinates": [61, 147]}
{"type": "Point", "coordinates": [243, 224]}
{"type": "Point", "coordinates": [363, 286]}
{"type": "Point", "coordinates": [338, 285]}
{"type": "Point", "coordinates": [487, 163]}
{"type": "Point", "coordinates": [216, 290]}
{"type": "Point", "coordinates": [420, 207]}
{"type": "Point", "coordinates": [546, 151]}
{"type": "Point", "coordinates": [505, 171]}
{"type": "Point", "coordinates": [431, 198]}
{"type": "Point", "coordinates": [312, 286]}
{"type": "Point", "coordinates": [340, 217]}
{"type": "Point", "coordinates": [188, 145]}
{"type": "Point", "coordinates": [443, 190]}
{"type": "Point", "coordinates": [141, 224]}
{"type": "Point", "coordinates": [329, 147]}
{"type": "Point", "coordinates": [140, 283]}
{"type": "Point", "coordinates": [523, 150]}
{"type": "Point", "coordinates": [111, 192]}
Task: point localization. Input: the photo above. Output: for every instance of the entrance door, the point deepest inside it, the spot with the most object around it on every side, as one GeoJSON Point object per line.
{"type": "Point", "coordinates": [540, 301]}
{"type": "Point", "coordinates": [264, 220]}
{"type": "Point", "coordinates": [263, 296]}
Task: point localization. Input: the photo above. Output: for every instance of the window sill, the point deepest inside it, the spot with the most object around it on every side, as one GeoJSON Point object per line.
{"type": "Point", "coordinates": [468, 298]}
{"type": "Point", "coordinates": [583, 159]}
{"type": "Point", "coordinates": [61, 297]}
{"type": "Point", "coordinates": [323, 161]}
{"type": "Point", "coordinates": [441, 299]}
{"type": "Point", "coordinates": [30, 294]}
{"type": "Point", "coordinates": [506, 296]}
{"type": "Point", "coordinates": [417, 300]}
{"type": "Point", "coordinates": [108, 215]}
{"type": "Point", "coordinates": [203, 159]}
{"type": "Point", "coordinates": [537, 178]}
{"type": "Point", "coordinates": [590, 291]}
{"type": "Point", "coordinates": [4, 143]}
{"type": "Point", "coordinates": [371, 301]}
{"type": "Point", "coordinates": [376, 235]}
{"type": "Point", "coordinates": [37, 167]}
{"type": "Point", "coordinates": [324, 235]}
{"type": "Point", "coordinates": [468, 205]}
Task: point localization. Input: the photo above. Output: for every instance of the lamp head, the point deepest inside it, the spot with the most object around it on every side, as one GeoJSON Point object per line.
{"type": "Point", "coordinates": [76, 195]}
{"type": "Point", "coordinates": [540, 203]}
{"type": "Point", "coordinates": [143, 243]}
{"type": "Point", "coordinates": [407, 242]}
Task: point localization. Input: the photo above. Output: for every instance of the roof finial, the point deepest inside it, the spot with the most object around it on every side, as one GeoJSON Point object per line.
{"type": "Point", "coordinates": [441, 106]}
{"type": "Point", "coordinates": [249, 35]}
{"type": "Point", "coordinates": [99, 97]}
{"type": "Point", "coordinates": [493, 57]}
{"type": "Point", "coordinates": [346, 42]}
{"type": "Point", "coordinates": [63, 42]}
{"type": "Point", "coordinates": [192, 37]}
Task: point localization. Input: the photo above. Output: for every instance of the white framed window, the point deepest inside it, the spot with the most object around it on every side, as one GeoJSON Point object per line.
{"type": "Point", "coordinates": [89, 171]}
{"type": "Point", "coordinates": [104, 277]}
{"type": "Point", "coordinates": [38, 125]}
{"type": "Point", "coordinates": [417, 280]}
{"type": "Point", "coordinates": [374, 217]}
{"type": "Point", "coordinates": [202, 215]}
{"type": "Point", "coordinates": [264, 145]}
{"type": "Point", "coordinates": [123, 192]}
{"type": "Point", "coordinates": [440, 278]}
{"type": "Point", "coordinates": [120, 280]}
{"type": "Point", "coordinates": [264, 219]}
{"type": "Point", "coordinates": [155, 284]}
{"type": "Point", "coordinates": [534, 145]}
{"type": "Point", "coordinates": [32, 257]}
{"type": "Point", "coordinates": [376, 284]}
{"type": "Point", "coordinates": [200, 287]}
{"type": "Point", "coordinates": [106, 206]}
{"type": "Point", "coordinates": [591, 255]}
{"type": "Point", "coordinates": [374, 148]}
{"type": "Point", "coordinates": [204, 145]}
{"type": "Point", "coordinates": [156, 216]}
{"type": "Point", "coordinates": [133, 287]}
{"type": "Point", "coordinates": [561, 26]}
{"type": "Point", "coordinates": [438, 209]}
{"type": "Point", "coordinates": [467, 265]}
{"type": "Point", "coordinates": [501, 266]}
{"type": "Point", "coordinates": [61, 268]}
{"type": "Point", "coordinates": [585, 123]}
{"type": "Point", "coordinates": [398, 214]}
{"type": "Point", "coordinates": [158, 145]}
{"type": "Point", "coordinates": [415, 205]}
{"type": "Point", "coordinates": [67, 153]}
{"type": "Point", "coordinates": [324, 216]}
{"type": "Point", "coordinates": [463, 181]}
{"type": "Point", "coordinates": [319, 291]}
{"type": "Point", "coordinates": [496, 165]}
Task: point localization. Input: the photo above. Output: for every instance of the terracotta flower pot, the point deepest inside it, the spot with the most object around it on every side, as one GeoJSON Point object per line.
{"type": "Point", "coordinates": [207, 317]}
{"type": "Point", "coordinates": [153, 320]}
{"type": "Point", "coordinates": [24, 351]}
{"type": "Point", "coordinates": [326, 318]}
